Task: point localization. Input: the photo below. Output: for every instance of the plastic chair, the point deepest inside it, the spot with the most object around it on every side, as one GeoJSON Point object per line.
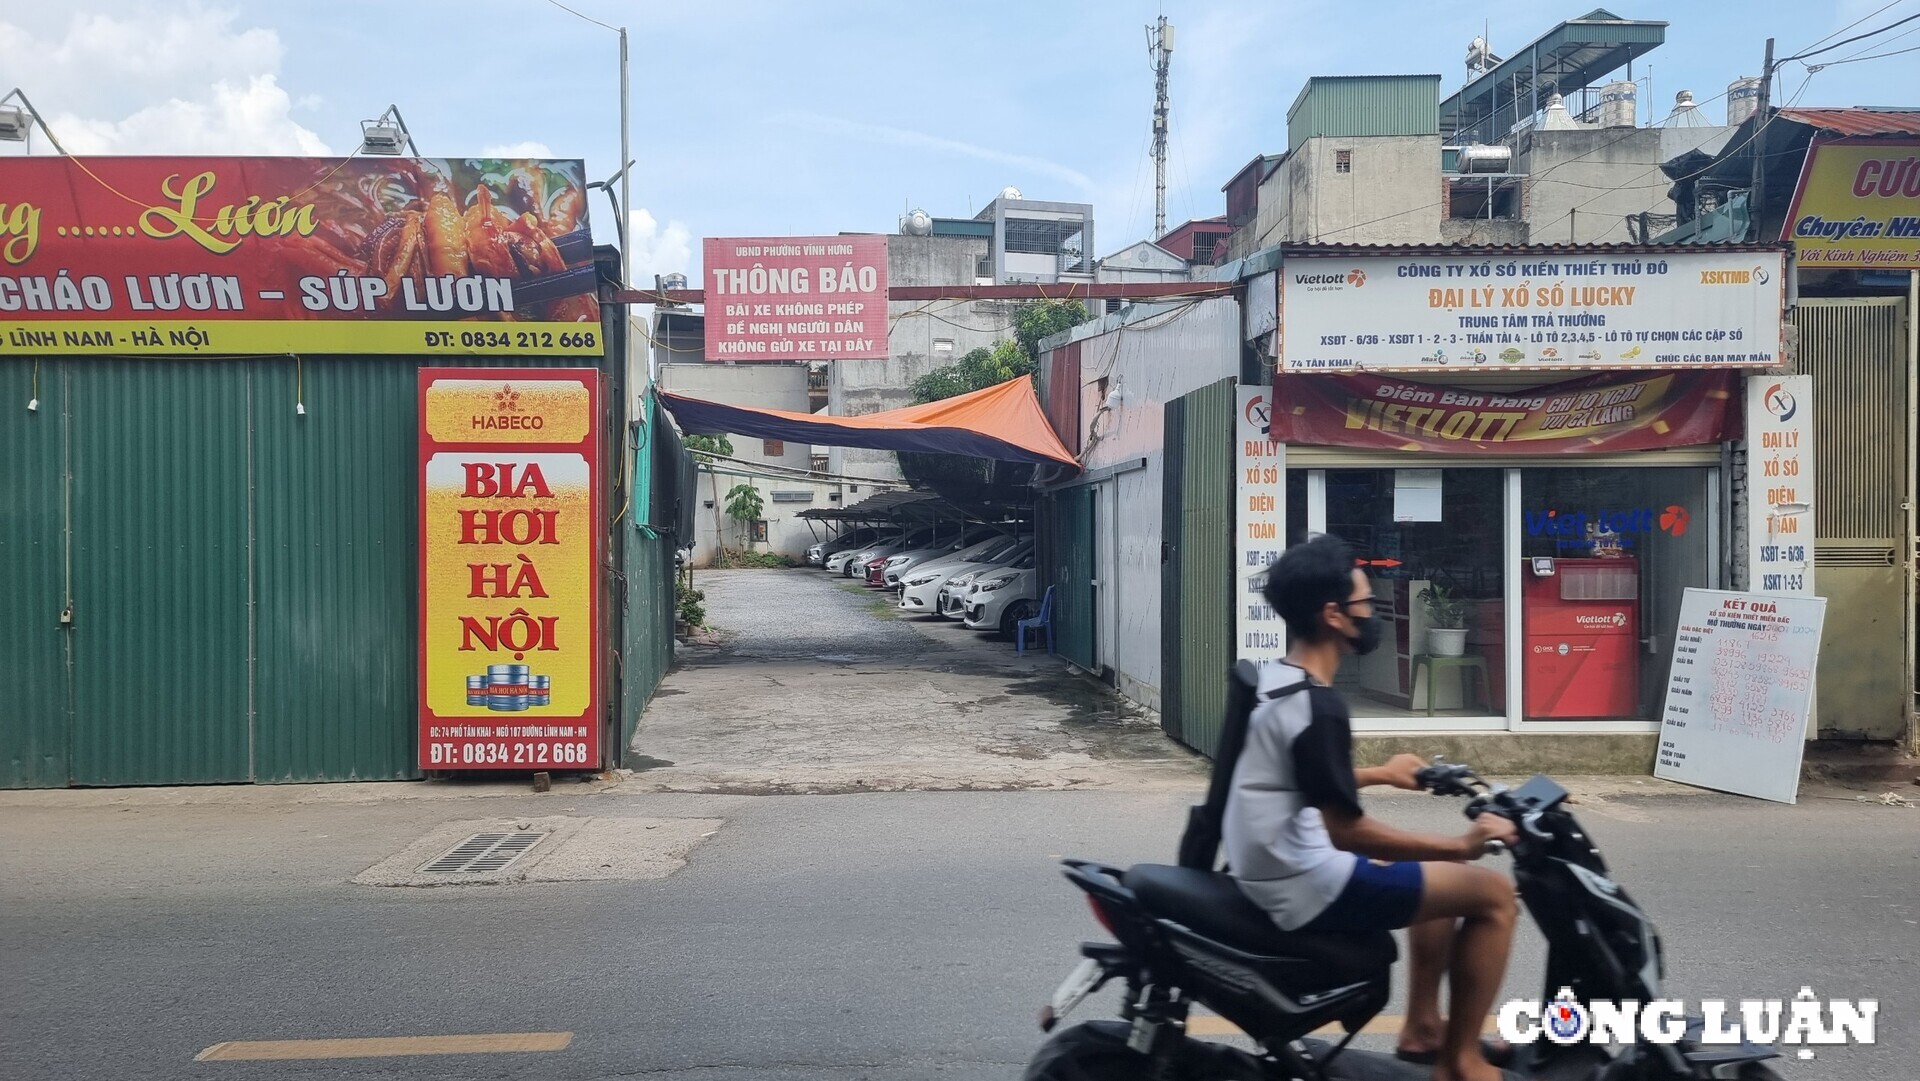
{"type": "Point", "coordinates": [1043, 620]}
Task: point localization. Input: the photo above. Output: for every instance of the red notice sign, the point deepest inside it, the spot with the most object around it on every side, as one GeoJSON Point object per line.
{"type": "Point", "coordinates": [783, 299]}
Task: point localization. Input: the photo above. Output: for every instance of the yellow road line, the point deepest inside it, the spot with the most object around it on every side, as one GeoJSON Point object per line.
{"type": "Point", "coordinates": [1386, 1024]}
{"type": "Point", "coordinates": [486, 1043]}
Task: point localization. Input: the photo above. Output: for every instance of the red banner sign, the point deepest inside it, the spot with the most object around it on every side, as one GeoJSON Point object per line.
{"type": "Point", "coordinates": [304, 255]}
{"type": "Point", "coordinates": [1597, 414]}
{"type": "Point", "coordinates": [796, 298]}
{"type": "Point", "coordinates": [509, 569]}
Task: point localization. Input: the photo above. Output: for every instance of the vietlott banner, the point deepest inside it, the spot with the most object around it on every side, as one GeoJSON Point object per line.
{"type": "Point", "coordinates": [1596, 415]}
{"type": "Point", "coordinates": [509, 575]}
{"type": "Point", "coordinates": [301, 255]}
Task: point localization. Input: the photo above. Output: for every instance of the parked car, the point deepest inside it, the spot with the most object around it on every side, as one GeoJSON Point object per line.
{"type": "Point", "coordinates": [849, 538]}
{"type": "Point", "coordinates": [900, 563]}
{"type": "Point", "coordinates": [1002, 598]}
{"type": "Point", "coordinates": [895, 542]}
{"type": "Point", "coordinates": [921, 588]}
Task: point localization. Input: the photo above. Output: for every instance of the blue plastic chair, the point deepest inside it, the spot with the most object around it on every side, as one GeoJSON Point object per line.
{"type": "Point", "coordinates": [1043, 620]}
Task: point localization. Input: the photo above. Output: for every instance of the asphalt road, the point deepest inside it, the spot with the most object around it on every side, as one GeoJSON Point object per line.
{"type": "Point", "coordinates": [895, 936]}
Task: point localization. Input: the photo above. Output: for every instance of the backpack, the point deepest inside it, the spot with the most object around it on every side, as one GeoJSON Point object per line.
{"type": "Point", "coordinates": [1201, 841]}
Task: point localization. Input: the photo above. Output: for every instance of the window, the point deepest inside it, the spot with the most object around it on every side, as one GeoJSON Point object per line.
{"type": "Point", "coordinates": [760, 529]}
{"type": "Point", "coordinates": [773, 448]}
{"type": "Point", "coordinates": [943, 345]}
{"type": "Point", "coordinates": [1343, 161]}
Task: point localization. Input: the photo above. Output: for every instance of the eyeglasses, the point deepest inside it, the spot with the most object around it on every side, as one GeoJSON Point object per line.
{"type": "Point", "coordinates": [1368, 599]}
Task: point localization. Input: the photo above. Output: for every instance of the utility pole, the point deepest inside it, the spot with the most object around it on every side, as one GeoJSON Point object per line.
{"type": "Point", "coordinates": [1759, 186]}
{"type": "Point", "coordinates": [1160, 48]}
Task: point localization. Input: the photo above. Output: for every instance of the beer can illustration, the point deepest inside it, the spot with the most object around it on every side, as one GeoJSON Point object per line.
{"type": "Point", "coordinates": [476, 690]}
{"type": "Point", "coordinates": [540, 689]}
{"type": "Point", "coordinates": [507, 687]}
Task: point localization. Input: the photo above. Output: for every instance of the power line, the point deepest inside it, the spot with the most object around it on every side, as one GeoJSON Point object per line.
{"type": "Point", "coordinates": [1856, 59]}
{"type": "Point", "coordinates": [1854, 23]}
{"type": "Point", "coordinates": [1849, 41]}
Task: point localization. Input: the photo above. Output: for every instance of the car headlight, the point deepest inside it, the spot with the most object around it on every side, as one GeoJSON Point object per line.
{"type": "Point", "coordinates": [923, 579]}
{"type": "Point", "coordinates": [992, 584]}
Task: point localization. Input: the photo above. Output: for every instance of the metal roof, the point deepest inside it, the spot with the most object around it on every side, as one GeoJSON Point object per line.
{"type": "Point", "coordinates": [1859, 120]}
{"type": "Point", "coordinates": [1567, 58]}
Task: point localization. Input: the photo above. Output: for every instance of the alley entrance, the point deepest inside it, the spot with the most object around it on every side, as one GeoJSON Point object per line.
{"type": "Point", "coordinates": [816, 685]}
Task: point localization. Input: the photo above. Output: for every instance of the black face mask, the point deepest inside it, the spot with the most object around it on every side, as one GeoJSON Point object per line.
{"type": "Point", "coordinates": [1368, 639]}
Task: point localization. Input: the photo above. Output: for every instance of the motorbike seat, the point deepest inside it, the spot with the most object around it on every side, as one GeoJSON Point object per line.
{"type": "Point", "coordinates": [1211, 905]}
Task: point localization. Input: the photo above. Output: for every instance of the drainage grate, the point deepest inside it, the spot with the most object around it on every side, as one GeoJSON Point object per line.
{"type": "Point", "coordinates": [483, 853]}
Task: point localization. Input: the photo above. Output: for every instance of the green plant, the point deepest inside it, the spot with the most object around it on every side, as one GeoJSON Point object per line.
{"type": "Point", "coordinates": [690, 609]}
{"type": "Point", "coordinates": [734, 557]}
{"type": "Point", "coordinates": [1447, 611]}
{"type": "Point", "coordinates": [704, 447]}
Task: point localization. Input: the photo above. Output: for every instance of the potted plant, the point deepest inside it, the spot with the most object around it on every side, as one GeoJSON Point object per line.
{"type": "Point", "coordinates": [1447, 616]}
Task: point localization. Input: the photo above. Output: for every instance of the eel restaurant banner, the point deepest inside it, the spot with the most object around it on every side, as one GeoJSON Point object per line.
{"type": "Point", "coordinates": [1598, 414]}
{"type": "Point", "coordinates": [509, 573]}
{"type": "Point", "coordinates": [184, 256]}
{"type": "Point", "coordinates": [1858, 205]}
{"type": "Point", "coordinates": [1580, 308]}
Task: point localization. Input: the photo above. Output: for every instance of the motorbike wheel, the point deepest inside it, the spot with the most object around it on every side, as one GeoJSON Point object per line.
{"type": "Point", "coordinates": [1098, 1051]}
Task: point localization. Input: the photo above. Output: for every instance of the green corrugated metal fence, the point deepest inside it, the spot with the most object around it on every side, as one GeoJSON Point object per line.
{"type": "Point", "coordinates": [244, 582]}
{"type": "Point", "coordinates": [1196, 575]}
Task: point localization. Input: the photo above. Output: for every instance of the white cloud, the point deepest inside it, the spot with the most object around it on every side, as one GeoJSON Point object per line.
{"type": "Point", "coordinates": [660, 249]}
{"type": "Point", "coordinates": [918, 140]}
{"type": "Point", "coordinates": [182, 80]}
{"type": "Point", "coordinates": [526, 149]}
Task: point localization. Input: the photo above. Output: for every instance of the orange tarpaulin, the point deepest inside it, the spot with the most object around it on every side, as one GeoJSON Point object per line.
{"type": "Point", "coordinates": [1003, 422]}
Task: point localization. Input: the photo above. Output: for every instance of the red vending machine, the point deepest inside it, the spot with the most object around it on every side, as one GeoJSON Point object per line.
{"type": "Point", "coordinates": [1582, 621]}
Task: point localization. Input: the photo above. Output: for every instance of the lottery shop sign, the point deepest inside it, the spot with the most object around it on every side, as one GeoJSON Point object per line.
{"type": "Point", "coordinates": [212, 256]}
{"type": "Point", "coordinates": [509, 568]}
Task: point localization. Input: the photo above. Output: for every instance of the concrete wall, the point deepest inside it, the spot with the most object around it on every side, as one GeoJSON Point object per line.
{"type": "Point", "coordinates": [1390, 196]}
{"type": "Point", "coordinates": [766, 386]}
{"type": "Point", "coordinates": [1151, 366]}
{"type": "Point", "coordinates": [1582, 184]}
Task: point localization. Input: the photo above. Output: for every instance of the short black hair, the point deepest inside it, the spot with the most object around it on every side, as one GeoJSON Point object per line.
{"type": "Point", "coordinates": [1305, 579]}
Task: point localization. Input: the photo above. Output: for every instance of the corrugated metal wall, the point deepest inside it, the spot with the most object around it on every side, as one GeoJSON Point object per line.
{"type": "Point", "coordinates": [244, 580]}
{"type": "Point", "coordinates": [1198, 593]}
{"type": "Point", "coordinates": [1368, 105]}
{"type": "Point", "coordinates": [1855, 350]}
{"type": "Point", "coordinates": [34, 724]}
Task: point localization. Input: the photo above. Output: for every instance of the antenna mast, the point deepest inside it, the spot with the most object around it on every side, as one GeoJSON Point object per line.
{"type": "Point", "coordinates": [1160, 49]}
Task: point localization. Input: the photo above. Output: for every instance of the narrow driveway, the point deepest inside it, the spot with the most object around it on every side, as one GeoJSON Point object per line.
{"type": "Point", "coordinates": [818, 685]}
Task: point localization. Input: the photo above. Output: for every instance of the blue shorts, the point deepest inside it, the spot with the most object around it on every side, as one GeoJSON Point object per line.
{"type": "Point", "coordinates": [1379, 897]}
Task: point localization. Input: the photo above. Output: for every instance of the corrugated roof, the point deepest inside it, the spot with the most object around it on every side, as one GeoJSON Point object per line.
{"type": "Point", "coordinates": [1858, 120]}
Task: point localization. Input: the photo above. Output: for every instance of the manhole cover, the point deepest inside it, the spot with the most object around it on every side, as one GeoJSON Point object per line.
{"type": "Point", "coordinates": [483, 853]}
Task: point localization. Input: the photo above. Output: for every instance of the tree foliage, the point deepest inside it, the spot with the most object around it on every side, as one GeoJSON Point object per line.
{"type": "Point", "coordinates": [711, 445]}
{"type": "Point", "coordinates": [744, 503]}
{"type": "Point", "coordinates": [1007, 359]}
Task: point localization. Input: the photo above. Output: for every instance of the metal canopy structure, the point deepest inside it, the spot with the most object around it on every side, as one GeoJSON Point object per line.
{"type": "Point", "coordinates": [1564, 60]}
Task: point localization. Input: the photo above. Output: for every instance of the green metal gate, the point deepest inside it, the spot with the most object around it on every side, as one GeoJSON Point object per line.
{"type": "Point", "coordinates": [33, 579]}
{"type": "Point", "coordinates": [1196, 624]}
{"type": "Point", "coordinates": [1067, 565]}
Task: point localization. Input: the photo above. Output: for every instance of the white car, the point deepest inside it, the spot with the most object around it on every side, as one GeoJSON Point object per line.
{"type": "Point", "coordinates": [920, 589]}
{"type": "Point", "coordinates": [1004, 597]}
{"type": "Point", "coordinates": [900, 564]}
{"type": "Point", "coordinates": [856, 567]}
{"type": "Point", "coordinates": [818, 554]}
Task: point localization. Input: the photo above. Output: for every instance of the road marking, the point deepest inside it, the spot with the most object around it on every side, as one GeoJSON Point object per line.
{"type": "Point", "coordinates": [486, 1043]}
{"type": "Point", "coordinates": [1386, 1024]}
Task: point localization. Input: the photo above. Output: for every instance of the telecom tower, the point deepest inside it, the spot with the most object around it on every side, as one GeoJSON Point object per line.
{"type": "Point", "coordinates": [1160, 49]}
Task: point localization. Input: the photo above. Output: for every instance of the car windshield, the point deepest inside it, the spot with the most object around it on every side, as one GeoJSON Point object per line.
{"type": "Point", "coordinates": [994, 551]}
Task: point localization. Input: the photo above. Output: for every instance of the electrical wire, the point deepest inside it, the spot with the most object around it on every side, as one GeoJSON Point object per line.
{"type": "Point", "coordinates": [1846, 41]}
{"type": "Point", "coordinates": [1854, 23]}
{"type": "Point", "coordinates": [1856, 59]}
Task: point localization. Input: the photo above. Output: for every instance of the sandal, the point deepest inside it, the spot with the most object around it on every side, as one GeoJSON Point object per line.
{"type": "Point", "coordinates": [1496, 1054]}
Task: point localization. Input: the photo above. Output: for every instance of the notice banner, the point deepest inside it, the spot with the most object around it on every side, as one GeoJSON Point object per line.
{"type": "Point", "coordinates": [509, 569]}
{"type": "Point", "coordinates": [1779, 501]}
{"type": "Point", "coordinates": [1858, 205]}
{"type": "Point", "coordinates": [796, 298]}
{"type": "Point", "coordinates": [1740, 692]}
{"type": "Point", "coordinates": [1554, 309]}
{"type": "Point", "coordinates": [1595, 415]}
{"type": "Point", "coordinates": [210, 256]}
{"type": "Point", "coordinates": [1260, 533]}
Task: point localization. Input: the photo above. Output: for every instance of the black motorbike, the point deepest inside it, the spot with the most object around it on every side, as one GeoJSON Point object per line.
{"type": "Point", "coordinates": [1187, 936]}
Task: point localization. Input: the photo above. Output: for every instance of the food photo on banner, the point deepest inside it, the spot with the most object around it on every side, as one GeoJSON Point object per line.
{"type": "Point", "coordinates": [356, 255]}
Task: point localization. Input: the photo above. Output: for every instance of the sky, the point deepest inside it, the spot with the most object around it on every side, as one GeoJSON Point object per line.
{"type": "Point", "coordinates": [757, 118]}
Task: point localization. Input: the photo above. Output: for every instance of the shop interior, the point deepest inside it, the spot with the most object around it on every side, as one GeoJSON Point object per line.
{"type": "Point", "coordinates": [1593, 561]}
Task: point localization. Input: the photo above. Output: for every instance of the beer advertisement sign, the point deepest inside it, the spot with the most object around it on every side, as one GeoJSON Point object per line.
{"type": "Point", "coordinates": [509, 569]}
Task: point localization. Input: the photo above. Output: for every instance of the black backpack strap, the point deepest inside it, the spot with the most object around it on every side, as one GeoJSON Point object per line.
{"type": "Point", "coordinates": [1201, 841]}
